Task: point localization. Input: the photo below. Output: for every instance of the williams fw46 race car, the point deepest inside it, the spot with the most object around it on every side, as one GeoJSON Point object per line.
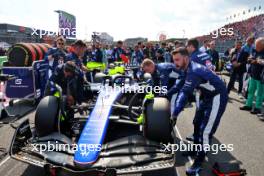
{"type": "Point", "coordinates": [124, 132]}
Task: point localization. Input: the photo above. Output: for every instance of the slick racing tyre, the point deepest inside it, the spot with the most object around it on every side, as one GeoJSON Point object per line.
{"type": "Point", "coordinates": [46, 117]}
{"type": "Point", "coordinates": [157, 125]}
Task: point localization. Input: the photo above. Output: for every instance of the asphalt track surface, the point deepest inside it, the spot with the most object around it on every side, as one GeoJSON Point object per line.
{"type": "Point", "coordinates": [243, 130]}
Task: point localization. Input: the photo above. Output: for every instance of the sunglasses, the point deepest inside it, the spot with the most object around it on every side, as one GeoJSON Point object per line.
{"type": "Point", "coordinates": [60, 43]}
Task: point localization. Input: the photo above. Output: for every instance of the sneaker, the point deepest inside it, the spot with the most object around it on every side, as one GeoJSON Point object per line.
{"type": "Point", "coordinates": [190, 138]}
{"type": "Point", "coordinates": [195, 168]}
{"type": "Point", "coordinates": [245, 108]}
{"type": "Point", "coordinates": [256, 111]}
{"type": "Point", "coordinates": [240, 96]}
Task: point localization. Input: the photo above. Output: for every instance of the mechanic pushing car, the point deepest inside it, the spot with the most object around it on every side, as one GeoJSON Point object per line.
{"type": "Point", "coordinates": [163, 74]}
{"type": "Point", "coordinates": [212, 104]}
{"type": "Point", "coordinates": [196, 56]}
{"type": "Point", "coordinates": [71, 81]}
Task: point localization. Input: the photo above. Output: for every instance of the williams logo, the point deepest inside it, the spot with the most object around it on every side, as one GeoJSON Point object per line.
{"type": "Point", "coordinates": [18, 81]}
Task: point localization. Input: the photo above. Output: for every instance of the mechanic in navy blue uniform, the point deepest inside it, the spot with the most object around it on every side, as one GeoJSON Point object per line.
{"type": "Point", "coordinates": [197, 56]}
{"type": "Point", "coordinates": [163, 74]}
{"type": "Point", "coordinates": [178, 84]}
{"type": "Point", "coordinates": [56, 55]}
{"type": "Point", "coordinates": [77, 54]}
{"type": "Point", "coordinates": [71, 81]}
{"type": "Point", "coordinates": [212, 105]}
{"type": "Point", "coordinates": [116, 54]}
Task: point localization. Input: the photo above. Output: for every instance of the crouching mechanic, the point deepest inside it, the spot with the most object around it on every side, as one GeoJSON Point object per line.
{"type": "Point", "coordinates": [163, 74]}
{"type": "Point", "coordinates": [212, 104]}
{"type": "Point", "coordinates": [71, 81]}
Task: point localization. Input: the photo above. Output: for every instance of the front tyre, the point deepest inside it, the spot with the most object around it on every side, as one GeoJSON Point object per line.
{"type": "Point", "coordinates": [157, 124]}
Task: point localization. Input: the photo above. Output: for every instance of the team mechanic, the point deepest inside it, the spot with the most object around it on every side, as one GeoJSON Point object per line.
{"type": "Point", "coordinates": [212, 104]}
{"type": "Point", "coordinates": [163, 74]}
{"type": "Point", "coordinates": [202, 58]}
{"type": "Point", "coordinates": [198, 56]}
{"type": "Point", "coordinates": [76, 56]}
{"type": "Point", "coordinates": [195, 56]}
{"type": "Point", "coordinates": [56, 55]}
{"type": "Point", "coordinates": [71, 81]}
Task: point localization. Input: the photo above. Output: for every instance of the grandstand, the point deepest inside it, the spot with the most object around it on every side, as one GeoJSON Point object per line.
{"type": "Point", "coordinates": [253, 26]}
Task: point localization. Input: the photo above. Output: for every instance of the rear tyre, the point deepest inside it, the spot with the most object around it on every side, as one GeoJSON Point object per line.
{"type": "Point", "coordinates": [46, 117]}
{"type": "Point", "coordinates": [157, 124]}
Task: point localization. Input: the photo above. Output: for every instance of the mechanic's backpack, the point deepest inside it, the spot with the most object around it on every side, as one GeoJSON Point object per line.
{"type": "Point", "coordinates": [230, 168]}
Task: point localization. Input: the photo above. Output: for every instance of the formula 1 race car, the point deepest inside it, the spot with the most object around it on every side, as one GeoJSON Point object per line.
{"type": "Point", "coordinates": [124, 132]}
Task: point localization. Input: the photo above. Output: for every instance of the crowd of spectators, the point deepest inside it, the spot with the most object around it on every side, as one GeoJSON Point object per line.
{"type": "Point", "coordinates": [253, 26]}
